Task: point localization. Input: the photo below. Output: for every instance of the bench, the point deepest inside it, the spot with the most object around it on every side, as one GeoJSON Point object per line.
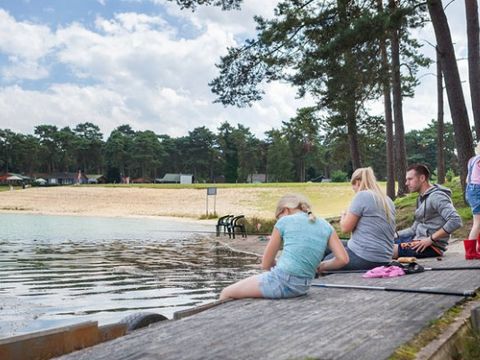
{"type": "Point", "coordinates": [230, 224]}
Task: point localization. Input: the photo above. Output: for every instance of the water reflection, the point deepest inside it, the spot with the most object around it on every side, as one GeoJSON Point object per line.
{"type": "Point", "coordinates": [62, 270]}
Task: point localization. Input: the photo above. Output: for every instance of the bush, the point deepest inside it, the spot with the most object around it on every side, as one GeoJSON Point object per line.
{"type": "Point", "coordinates": [209, 216]}
{"type": "Point", "coordinates": [255, 225]}
{"type": "Point", "coordinates": [449, 175]}
{"type": "Point", "coordinates": [339, 176]}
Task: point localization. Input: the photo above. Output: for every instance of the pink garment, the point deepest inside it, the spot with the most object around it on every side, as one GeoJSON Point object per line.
{"type": "Point", "coordinates": [384, 271]}
{"type": "Point", "coordinates": [475, 176]}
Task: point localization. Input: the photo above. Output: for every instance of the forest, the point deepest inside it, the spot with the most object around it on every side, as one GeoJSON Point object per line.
{"type": "Point", "coordinates": [230, 154]}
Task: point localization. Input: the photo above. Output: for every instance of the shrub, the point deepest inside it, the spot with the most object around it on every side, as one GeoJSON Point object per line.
{"type": "Point", "coordinates": [255, 225]}
{"type": "Point", "coordinates": [449, 175]}
{"type": "Point", "coordinates": [339, 176]}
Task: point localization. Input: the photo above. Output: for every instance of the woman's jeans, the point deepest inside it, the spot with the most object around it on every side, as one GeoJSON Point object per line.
{"type": "Point", "coordinates": [355, 262]}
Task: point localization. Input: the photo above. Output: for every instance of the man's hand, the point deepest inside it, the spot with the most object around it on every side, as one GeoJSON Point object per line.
{"type": "Point", "coordinates": [421, 244]}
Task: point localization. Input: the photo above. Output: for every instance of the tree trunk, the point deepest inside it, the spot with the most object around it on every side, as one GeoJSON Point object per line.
{"type": "Point", "coordinates": [349, 101]}
{"type": "Point", "coordinates": [440, 124]}
{"type": "Point", "coordinates": [387, 101]}
{"type": "Point", "coordinates": [401, 152]}
{"type": "Point", "coordinates": [471, 9]}
{"type": "Point", "coordinates": [456, 101]}
{"type": "Point", "coordinates": [353, 142]}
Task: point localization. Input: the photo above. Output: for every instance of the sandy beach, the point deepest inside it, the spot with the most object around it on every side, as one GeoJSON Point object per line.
{"type": "Point", "coordinates": [104, 201]}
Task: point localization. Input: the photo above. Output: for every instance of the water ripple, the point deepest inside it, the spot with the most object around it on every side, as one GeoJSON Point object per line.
{"type": "Point", "coordinates": [62, 270]}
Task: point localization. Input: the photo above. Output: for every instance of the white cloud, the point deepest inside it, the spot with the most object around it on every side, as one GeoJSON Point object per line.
{"type": "Point", "coordinates": [234, 21]}
{"type": "Point", "coordinates": [25, 44]}
{"type": "Point", "coordinates": [23, 69]}
{"type": "Point", "coordinates": [62, 105]}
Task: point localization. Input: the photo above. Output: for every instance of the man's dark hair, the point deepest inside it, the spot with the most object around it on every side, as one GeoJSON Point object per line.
{"type": "Point", "coordinates": [420, 169]}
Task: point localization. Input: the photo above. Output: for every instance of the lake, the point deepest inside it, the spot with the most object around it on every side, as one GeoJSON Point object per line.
{"type": "Point", "coordinates": [60, 270]}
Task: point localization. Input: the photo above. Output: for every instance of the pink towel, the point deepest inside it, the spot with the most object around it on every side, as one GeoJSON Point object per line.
{"type": "Point", "coordinates": [384, 271]}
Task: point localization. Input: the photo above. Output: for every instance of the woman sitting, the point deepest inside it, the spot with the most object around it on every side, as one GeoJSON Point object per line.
{"type": "Point", "coordinates": [371, 221]}
{"type": "Point", "coordinates": [305, 238]}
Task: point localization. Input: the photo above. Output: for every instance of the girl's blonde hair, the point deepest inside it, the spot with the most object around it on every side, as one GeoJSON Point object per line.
{"type": "Point", "coordinates": [367, 181]}
{"type": "Point", "coordinates": [295, 201]}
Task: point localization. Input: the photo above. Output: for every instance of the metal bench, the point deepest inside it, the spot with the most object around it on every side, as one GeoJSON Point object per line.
{"type": "Point", "coordinates": [223, 221]}
{"type": "Point", "coordinates": [237, 222]}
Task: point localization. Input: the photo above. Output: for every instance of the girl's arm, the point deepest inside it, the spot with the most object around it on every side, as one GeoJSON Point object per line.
{"type": "Point", "coordinates": [338, 250]}
{"type": "Point", "coordinates": [348, 222]}
{"type": "Point", "coordinates": [271, 250]}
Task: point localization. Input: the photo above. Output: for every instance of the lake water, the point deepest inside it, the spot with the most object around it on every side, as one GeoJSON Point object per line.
{"type": "Point", "coordinates": [59, 270]}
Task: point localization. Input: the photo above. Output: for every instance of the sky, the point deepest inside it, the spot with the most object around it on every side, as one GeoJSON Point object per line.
{"type": "Point", "coordinates": [147, 63]}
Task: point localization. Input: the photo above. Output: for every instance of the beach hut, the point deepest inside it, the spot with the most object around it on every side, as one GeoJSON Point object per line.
{"type": "Point", "coordinates": [175, 179]}
{"type": "Point", "coordinates": [96, 179]}
{"type": "Point", "coordinates": [40, 181]}
{"type": "Point", "coordinates": [14, 178]}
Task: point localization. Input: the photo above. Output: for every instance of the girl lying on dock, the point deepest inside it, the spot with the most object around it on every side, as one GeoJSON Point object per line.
{"type": "Point", "coordinates": [305, 238]}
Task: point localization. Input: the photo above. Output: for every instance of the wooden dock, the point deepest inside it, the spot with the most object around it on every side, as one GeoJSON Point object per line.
{"type": "Point", "coordinates": [325, 324]}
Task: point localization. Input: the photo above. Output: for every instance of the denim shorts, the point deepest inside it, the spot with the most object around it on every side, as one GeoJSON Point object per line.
{"type": "Point", "coordinates": [277, 284]}
{"type": "Point", "coordinates": [472, 194]}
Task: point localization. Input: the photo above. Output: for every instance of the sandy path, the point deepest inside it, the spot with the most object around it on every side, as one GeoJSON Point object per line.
{"type": "Point", "coordinates": [99, 201]}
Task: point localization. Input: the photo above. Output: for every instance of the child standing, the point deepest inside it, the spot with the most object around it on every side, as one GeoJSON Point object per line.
{"type": "Point", "coordinates": [305, 238]}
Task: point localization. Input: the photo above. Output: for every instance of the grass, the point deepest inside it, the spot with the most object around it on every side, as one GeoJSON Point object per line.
{"type": "Point", "coordinates": [7, 187]}
{"type": "Point", "coordinates": [225, 185]}
{"type": "Point", "coordinates": [469, 347]}
{"type": "Point", "coordinates": [327, 199]}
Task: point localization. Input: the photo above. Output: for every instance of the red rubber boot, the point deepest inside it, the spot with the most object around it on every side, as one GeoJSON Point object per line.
{"type": "Point", "coordinates": [470, 246]}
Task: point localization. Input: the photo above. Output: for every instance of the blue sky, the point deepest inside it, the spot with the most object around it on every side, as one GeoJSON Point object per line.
{"type": "Point", "coordinates": [147, 63]}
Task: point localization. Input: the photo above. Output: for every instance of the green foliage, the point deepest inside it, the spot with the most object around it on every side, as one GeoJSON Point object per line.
{"type": "Point", "coordinates": [256, 225]}
{"type": "Point", "coordinates": [202, 153]}
{"type": "Point", "coordinates": [339, 176]}
{"type": "Point", "coordinates": [210, 215]}
{"type": "Point", "coordinates": [193, 4]}
{"type": "Point", "coordinates": [405, 210]}
{"type": "Point", "coordinates": [118, 153]}
{"type": "Point", "coordinates": [469, 347]}
{"type": "Point", "coordinates": [279, 158]}
{"type": "Point", "coordinates": [450, 174]}
{"type": "Point", "coordinates": [422, 146]}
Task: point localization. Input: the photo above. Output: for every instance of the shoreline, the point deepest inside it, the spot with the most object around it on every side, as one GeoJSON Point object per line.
{"type": "Point", "coordinates": [252, 245]}
{"type": "Point", "coordinates": [126, 216]}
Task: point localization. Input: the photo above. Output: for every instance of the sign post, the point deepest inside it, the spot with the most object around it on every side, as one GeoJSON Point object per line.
{"type": "Point", "coordinates": [212, 191]}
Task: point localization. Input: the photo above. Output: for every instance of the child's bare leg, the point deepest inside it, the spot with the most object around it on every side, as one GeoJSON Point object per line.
{"type": "Point", "coordinates": [249, 287]}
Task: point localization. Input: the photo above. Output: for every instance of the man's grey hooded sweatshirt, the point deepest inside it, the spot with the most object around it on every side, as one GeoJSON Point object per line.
{"type": "Point", "coordinates": [434, 211]}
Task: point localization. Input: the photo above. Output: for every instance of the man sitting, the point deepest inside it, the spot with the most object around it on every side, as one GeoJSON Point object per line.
{"type": "Point", "coordinates": [435, 217]}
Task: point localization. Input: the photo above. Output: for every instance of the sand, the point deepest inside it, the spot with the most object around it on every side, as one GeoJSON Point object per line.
{"type": "Point", "coordinates": [104, 201]}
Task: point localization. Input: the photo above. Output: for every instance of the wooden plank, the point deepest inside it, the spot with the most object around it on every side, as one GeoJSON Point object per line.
{"type": "Point", "coordinates": [189, 312]}
{"type": "Point", "coordinates": [49, 343]}
{"type": "Point", "coordinates": [326, 324]}
{"type": "Point", "coordinates": [111, 331]}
